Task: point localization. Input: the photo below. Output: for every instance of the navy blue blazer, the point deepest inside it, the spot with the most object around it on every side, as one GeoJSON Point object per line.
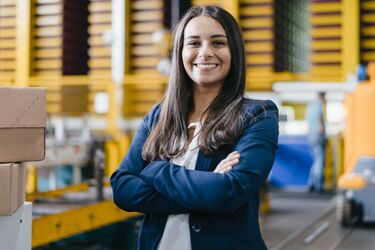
{"type": "Point", "coordinates": [223, 208]}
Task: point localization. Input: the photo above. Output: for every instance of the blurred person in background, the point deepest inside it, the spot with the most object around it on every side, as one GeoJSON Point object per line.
{"type": "Point", "coordinates": [315, 116]}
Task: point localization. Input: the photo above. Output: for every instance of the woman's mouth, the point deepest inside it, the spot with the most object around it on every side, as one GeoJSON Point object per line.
{"type": "Point", "coordinates": [205, 66]}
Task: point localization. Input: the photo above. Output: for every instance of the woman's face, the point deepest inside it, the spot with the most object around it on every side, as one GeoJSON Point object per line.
{"type": "Point", "coordinates": [205, 54]}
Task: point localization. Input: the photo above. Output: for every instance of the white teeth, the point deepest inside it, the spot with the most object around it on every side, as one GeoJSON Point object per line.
{"type": "Point", "coordinates": [206, 66]}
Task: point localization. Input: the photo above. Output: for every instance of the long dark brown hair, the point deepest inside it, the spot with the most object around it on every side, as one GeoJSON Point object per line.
{"type": "Point", "coordinates": [223, 118]}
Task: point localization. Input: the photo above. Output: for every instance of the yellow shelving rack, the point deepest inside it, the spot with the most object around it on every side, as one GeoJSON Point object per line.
{"type": "Point", "coordinates": [100, 25]}
{"type": "Point", "coordinates": [7, 42]}
{"type": "Point", "coordinates": [256, 20]}
{"type": "Point", "coordinates": [326, 35]}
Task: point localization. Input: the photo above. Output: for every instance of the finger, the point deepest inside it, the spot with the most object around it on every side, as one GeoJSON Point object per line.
{"type": "Point", "coordinates": [225, 170]}
{"type": "Point", "coordinates": [233, 154]}
{"type": "Point", "coordinates": [220, 167]}
{"type": "Point", "coordinates": [225, 165]}
{"type": "Point", "coordinates": [230, 157]}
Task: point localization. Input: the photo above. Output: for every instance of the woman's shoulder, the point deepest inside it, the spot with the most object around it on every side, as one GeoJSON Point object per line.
{"type": "Point", "coordinates": [254, 109]}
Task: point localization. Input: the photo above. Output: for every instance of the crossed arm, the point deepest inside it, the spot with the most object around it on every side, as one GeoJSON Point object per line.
{"type": "Point", "coordinates": [162, 187]}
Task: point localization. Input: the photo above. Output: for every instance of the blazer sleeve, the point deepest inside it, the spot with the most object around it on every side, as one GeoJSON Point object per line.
{"type": "Point", "coordinates": [215, 192]}
{"type": "Point", "coordinates": [130, 192]}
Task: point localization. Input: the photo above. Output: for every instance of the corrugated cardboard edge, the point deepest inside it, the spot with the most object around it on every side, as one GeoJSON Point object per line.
{"type": "Point", "coordinates": [13, 187]}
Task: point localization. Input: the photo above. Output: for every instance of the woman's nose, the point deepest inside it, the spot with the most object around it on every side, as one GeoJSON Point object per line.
{"type": "Point", "coordinates": [205, 51]}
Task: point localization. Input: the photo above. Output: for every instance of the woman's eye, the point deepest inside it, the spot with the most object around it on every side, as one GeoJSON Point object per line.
{"type": "Point", "coordinates": [193, 43]}
{"type": "Point", "coordinates": [219, 43]}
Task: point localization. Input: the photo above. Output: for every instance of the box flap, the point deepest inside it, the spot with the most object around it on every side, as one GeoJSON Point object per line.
{"type": "Point", "coordinates": [22, 107]}
{"type": "Point", "coordinates": [5, 186]}
{"type": "Point", "coordinates": [8, 185]}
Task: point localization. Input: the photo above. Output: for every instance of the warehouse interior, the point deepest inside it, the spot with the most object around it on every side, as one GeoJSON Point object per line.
{"type": "Point", "coordinates": [100, 65]}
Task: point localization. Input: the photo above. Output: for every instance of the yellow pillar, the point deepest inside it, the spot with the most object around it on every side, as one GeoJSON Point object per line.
{"type": "Point", "coordinates": [232, 7]}
{"type": "Point", "coordinates": [23, 17]}
{"type": "Point", "coordinates": [350, 36]}
{"type": "Point", "coordinates": [112, 114]}
{"type": "Point", "coordinates": [127, 37]}
{"type": "Point", "coordinates": [32, 179]}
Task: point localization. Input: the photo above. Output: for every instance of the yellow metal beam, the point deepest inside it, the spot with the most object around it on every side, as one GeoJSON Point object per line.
{"type": "Point", "coordinates": [32, 179]}
{"type": "Point", "coordinates": [100, 6]}
{"type": "Point", "coordinates": [57, 192]}
{"type": "Point", "coordinates": [326, 7]}
{"type": "Point", "coordinates": [115, 150]}
{"type": "Point", "coordinates": [23, 42]}
{"type": "Point", "coordinates": [113, 113]}
{"type": "Point", "coordinates": [55, 227]}
{"type": "Point", "coordinates": [350, 37]}
{"type": "Point", "coordinates": [144, 5]}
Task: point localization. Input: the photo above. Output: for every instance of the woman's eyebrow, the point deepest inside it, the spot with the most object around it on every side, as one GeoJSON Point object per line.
{"type": "Point", "coordinates": [192, 37]}
{"type": "Point", "coordinates": [213, 36]}
{"type": "Point", "coordinates": [218, 36]}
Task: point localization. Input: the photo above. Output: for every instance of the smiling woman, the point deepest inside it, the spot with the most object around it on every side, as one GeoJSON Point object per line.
{"type": "Point", "coordinates": [198, 159]}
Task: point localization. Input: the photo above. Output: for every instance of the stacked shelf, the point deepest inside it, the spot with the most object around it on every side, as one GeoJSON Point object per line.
{"type": "Point", "coordinates": [292, 36]}
{"type": "Point", "coordinates": [256, 20]}
{"type": "Point", "coordinates": [146, 26]}
{"type": "Point", "coordinates": [100, 52]}
{"type": "Point", "coordinates": [100, 23]}
{"type": "Point", "coordinates": [367, 31]}
{"type": "Point", "coordinates": [326, 44]}
{"type": "Point", "coordinates": [7, 41]}
{"type": "Point", "coordinates": [59, 41]}
{"type": "Point", "coordinates": [146, 17]}
{"type": "Point", "coordinates": [59, 45]}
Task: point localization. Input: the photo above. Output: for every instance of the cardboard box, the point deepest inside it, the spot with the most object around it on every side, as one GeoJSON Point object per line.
{"type": "Point", "coordinates": [23, 120]}
{"type": "Point", "coordinates": [12, 187]}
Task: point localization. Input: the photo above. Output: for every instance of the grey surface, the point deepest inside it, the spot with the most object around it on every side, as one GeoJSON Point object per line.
{"type": "Point", "coordinates": [290, 212]}
{"type": "Point", "coordinates": [294, 218]}
{"type": "Point", "coordinates": [361, 238]}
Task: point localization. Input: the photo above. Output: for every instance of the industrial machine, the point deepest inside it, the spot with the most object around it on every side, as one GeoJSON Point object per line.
{"type": "Point", "coordinates": [355, 202]}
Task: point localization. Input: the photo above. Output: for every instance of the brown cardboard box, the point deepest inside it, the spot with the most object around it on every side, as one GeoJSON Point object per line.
{"type": "Point", "coordinates": [12, 187]}
{"type": "Point", "coordinates": [22, 124]}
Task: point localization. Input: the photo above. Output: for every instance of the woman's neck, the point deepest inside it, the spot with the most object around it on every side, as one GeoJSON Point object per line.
{"type": "Point", "coordinates": [202, 98]}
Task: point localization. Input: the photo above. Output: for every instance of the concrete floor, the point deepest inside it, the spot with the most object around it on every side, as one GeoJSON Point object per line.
{"type": "Point", "coordinates": [290, 212]}
{"type": "Point", "coordinates": [295, 216]}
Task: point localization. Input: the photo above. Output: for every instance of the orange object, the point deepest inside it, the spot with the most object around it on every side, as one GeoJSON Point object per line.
{"type": "Point", "coordinates": [352, 181]}
{"type": "Point", "coordinates": [359, 134]}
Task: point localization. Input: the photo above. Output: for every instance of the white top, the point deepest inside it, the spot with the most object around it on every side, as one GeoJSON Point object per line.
{"type": "Point", "coordinates": [176, 233]}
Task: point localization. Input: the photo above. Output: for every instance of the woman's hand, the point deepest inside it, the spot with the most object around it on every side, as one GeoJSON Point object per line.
{"type": "Point", "coordinates": [228, 163]}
